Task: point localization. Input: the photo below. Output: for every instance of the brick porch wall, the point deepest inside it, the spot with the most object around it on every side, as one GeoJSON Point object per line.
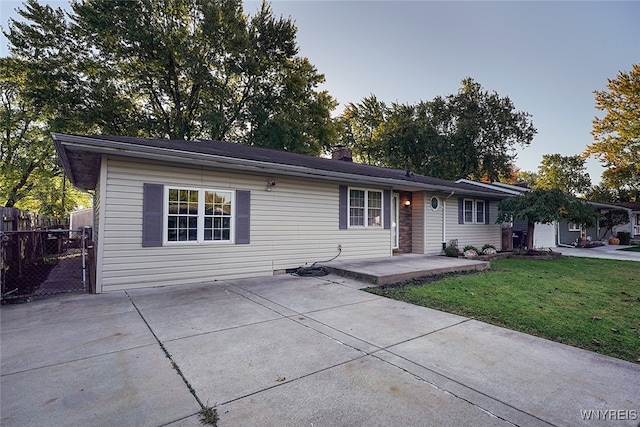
{"type": "Point", "coordinates": [404, 233]}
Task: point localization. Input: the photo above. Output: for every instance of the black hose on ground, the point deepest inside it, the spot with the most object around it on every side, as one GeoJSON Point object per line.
{"type": "Point", "coordinates": [313, 270]}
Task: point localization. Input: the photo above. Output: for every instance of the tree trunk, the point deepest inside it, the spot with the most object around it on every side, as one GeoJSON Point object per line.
{"type": "Point", "coordinates": [530, 228]}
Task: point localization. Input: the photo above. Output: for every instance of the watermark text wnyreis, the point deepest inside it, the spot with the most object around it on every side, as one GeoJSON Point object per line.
{"type": "Point", "coordinates": [609, 414]}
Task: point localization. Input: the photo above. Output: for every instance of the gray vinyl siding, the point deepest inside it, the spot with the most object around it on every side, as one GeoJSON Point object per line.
{"type": "Point", "coordinates": [294, 224]}
{"type": "Point", "coordinates": [473, 234]}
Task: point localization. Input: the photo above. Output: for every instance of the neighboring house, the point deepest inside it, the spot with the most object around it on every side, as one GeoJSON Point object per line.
{"type": "Point", "coordinates": [544, 235]}
{"type": "Point", "coordinates": [557, 233]}
{"type": "Point", "coordinates": [81, 218]}
{"type": "Point", "coordinates": [634, 225]}
{"type": "Point", "coordinates": [174, 212]}
{"type": "Point", "coordinates": [569, 233]}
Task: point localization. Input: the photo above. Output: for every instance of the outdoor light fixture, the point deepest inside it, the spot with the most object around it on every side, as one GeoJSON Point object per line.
{"type": "Point", "coordinates": [271, 184]}
{"type": "Point", "coordinates": [407, 203]}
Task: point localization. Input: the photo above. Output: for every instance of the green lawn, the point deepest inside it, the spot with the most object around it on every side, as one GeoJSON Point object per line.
{"type": "Point", "coordinates": [584, 302]}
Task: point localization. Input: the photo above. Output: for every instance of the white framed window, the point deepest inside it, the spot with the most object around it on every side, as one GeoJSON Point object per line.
{"type": "Point", "coordinates": [573, 227]}
{"type": "Point", "coordinates": [474, 211]}
{"type": "Point", "coordinates": [198, 215]}
{"type": "Point", "coordinates": [365, 208]}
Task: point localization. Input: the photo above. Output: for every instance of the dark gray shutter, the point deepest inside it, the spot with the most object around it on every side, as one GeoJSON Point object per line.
{"type": "Point", "coordinates": [460, 210]}
{"type": "Point", "coordinates": [486, 212]}
{"type": "Point", "coordinates": [343, 208]}
{"type": "Point", "coordinates": [152, 203]}
{"type": "Point", "coordinates": [386, 207]}
{"type": "Point", "coordinates": [243, 217]}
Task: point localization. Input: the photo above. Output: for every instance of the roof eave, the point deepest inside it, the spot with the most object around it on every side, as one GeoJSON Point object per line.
{"type": "Point", "coordinates": [101, 146]}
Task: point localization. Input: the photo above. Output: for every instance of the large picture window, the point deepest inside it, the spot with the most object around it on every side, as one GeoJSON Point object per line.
{"type": "Point", "coordinates": [365, 208]}
{"type": "Point", "coordinates": [198, 215]}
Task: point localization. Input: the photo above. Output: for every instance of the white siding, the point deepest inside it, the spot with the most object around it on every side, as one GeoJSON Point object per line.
{"type": "Point", "coordinates": [434, 225]}
{"type": "Point", "coordinates": [294, 224]}
{"type": "Point", "coordinates": [544, 236]}
{"type": "Point", "coordinates": [417, 223]}
{"type": "Point", "coordinates": [473, 234]}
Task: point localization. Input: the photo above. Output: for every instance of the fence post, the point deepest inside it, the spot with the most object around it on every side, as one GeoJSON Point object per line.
{"type": "Point", "coordinates": [84, 257]}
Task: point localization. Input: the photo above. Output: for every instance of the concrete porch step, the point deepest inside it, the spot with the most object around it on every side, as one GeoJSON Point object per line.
{"type": "Point", "coordinates": [398, 268]}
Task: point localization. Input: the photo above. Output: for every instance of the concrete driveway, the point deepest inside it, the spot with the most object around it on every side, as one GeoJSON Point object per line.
{"type": "Point", "coordinates": [605, 252]}
{"type": "Point", "coordinates": [289, 351]}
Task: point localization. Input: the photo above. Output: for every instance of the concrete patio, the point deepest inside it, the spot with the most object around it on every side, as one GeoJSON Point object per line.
{"type": "Point", "coordinates": [383, 271]}
{"type": "Point", "coordinates": [291, 351]}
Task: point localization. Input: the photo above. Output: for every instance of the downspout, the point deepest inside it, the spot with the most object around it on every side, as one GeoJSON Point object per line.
{"type": "Point", "coordinates": [560, 244]}
{"type": "Point", "coordinates": [444, 220]}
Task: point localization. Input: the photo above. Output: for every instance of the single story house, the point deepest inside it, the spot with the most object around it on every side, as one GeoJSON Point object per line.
{"type": "Point", "coordinates": [568, 233]}
{"type": "Point", "coordinates": [177, 212]}
{"type": "Point", "coordinates": [634, 225]}
{"type": "Point", "coordinates": [544, 235]}
{"type": "Point", "coordinates": [557, 233]}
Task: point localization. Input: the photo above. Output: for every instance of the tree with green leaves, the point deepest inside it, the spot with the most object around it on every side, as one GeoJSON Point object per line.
{"type": "Point", "coordinates": [581, 213]}
{"type": "Point", "coordinates": [535, 206]}
{"type": "Point", "coordinates": [361, 129]}
{"type": "Point", "coordinates": [182, 69]}
{"type": "Point", "coordinates": [471, 134]}
{"type": "Point", "coordinates": [567, 173]}
{"type": "Point", "coordinates": [611, 219]}
{"type": "Point", "coordinates": [29, 175]}
{"type": "Point", "coordinates": [617, 133]}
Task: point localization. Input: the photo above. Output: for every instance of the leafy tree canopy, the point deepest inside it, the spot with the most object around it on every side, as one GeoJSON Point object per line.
{"type": "Point", "coordinates": [613, 218]}
{"type": "Point", "coordinates": [617, 134]}
{"type": "Point", "coordinates": [544, 207]}
{"type": "Point", "coordinates": [470, 134]}
{"type": "Point", "coordinates": [605, 194]}
{"type": "Point", "coordinates": [182, 69]}
{"type": "Point", "coordinates": [541, 206]}
{"type": "Point", "coordinates": [567, 173]}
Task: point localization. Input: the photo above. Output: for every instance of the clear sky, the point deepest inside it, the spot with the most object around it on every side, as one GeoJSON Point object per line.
{"type": "Point", "coordinates": [548, 57]}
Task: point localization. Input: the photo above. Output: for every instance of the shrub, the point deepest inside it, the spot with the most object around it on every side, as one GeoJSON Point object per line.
{"type": "Point", "coordinates": [487, 246]}
{"type": "Point", "coordinates": [489, 251]}
{"type": "Point", "coordinates": [471, 248]}
{"type": "Point", "coordinates": [624, 236]}
{"type": "Point", "coordinates": [451, 251]}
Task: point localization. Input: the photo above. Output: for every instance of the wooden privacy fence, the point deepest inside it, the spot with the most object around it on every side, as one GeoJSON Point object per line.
{"type": "Point", "coordinates": [38, 263]}
{"type": "Point", "coordinates": [14, 219]}
{"type": "Point", "coordinates": [40, 256]}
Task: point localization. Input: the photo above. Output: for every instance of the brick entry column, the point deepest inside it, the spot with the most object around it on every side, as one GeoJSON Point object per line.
{"type": "Point", "coordinates": [405, 223]}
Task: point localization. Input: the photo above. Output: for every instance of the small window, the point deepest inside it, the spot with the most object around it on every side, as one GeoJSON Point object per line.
{"type": "Point", "coordinates": [573, 227]}
{"type": "Point", "coordinates": [365, 208]}
{"type": "Point", "coordinates": [356, 207]}
{"type": "Point", "coordinates": [472, 211]}
{"type": "Point", "coordinates": [479, 212]}
{"type": "Point", "coordinates": [468, 211]}
{"type": "Point", "coordinates": [374, 212]}
{"type": "Point", "coordinates": [434, 203]}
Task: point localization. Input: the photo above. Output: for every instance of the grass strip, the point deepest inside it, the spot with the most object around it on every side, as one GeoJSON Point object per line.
{"type": "Point", "coordinates": [588, 303]}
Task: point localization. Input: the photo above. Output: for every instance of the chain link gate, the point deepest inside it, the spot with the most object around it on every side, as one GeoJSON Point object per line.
{"type": "Point", "coordinates": [36, 264]}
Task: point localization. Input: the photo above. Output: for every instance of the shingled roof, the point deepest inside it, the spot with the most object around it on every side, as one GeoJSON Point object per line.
{"type": "Point", "coordinates": [80, 156]}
